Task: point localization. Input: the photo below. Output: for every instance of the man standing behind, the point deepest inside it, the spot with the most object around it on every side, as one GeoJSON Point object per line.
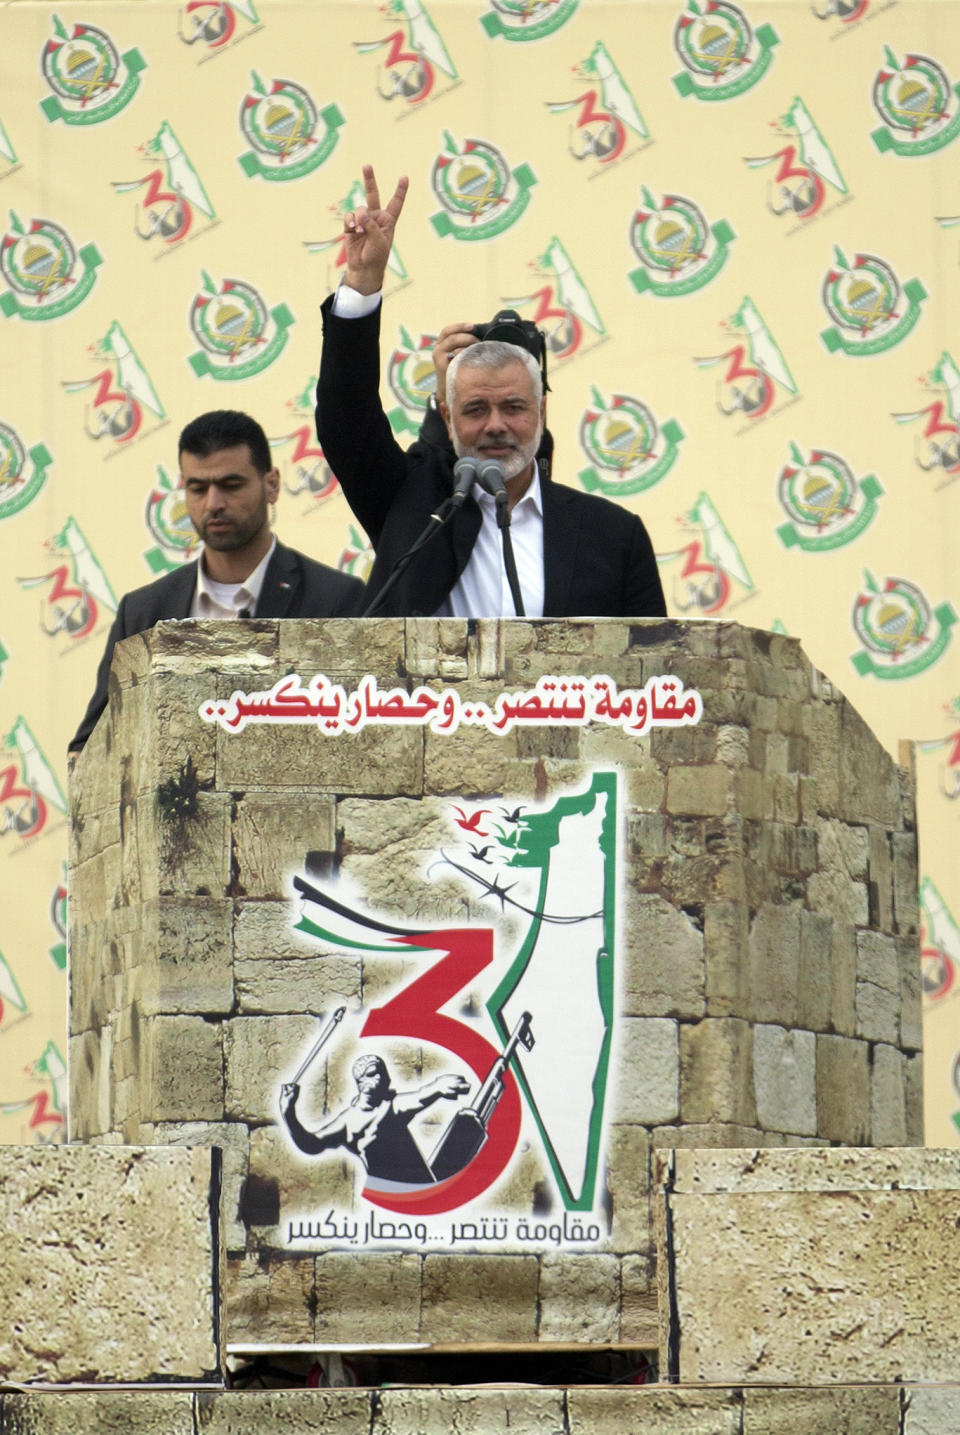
{"type": "Point", "coordinates": [229, 483]}
{"type": "Point", "coordinates": [576, 554]}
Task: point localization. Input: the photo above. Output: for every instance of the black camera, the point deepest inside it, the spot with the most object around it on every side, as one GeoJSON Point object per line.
{"type": "Point", "coordinates": [507, 327]}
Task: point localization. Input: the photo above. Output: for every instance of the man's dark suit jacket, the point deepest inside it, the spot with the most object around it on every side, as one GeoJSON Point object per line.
{"type": "Point", "coordinates": [597, 558]}
{"type": "Point", "coordinates": [294, 586]}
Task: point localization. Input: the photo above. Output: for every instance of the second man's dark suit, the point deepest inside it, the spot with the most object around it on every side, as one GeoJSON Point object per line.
{"type": "Point", "coordinates": [294, 586]}
{"type": "Point", "coordinates": [597, 557]}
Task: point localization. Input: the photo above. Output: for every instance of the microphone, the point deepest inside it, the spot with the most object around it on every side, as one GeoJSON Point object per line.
{"type": "Point", "coordinates": [464, 477]}
{"type": "Point", "coordinates": [491, 475]}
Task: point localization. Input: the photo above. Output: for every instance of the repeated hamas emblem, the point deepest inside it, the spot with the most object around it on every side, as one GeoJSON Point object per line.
{"type": "Point", "coordinates": [123, 392]}
{"type": "Point", "coordinates": [940, 949]}
{"type": "Point", "coordinates": [356, 555]}
{"type": "Point", "coordinates": [525, 20]}
{"type": "Point", "coordinates": [805, 166]}
{"type": "Point", "coordinates": [629, 451]}
{"type": "Point", "coordinates": [481, 196]}
{"type": "Point", "coordinates": [917, 104]}
{"type": "Point", "coordinates": [213, 23]}
{"type": "Point", "coordinates": [58, 920]}
{"type": "Point", "coordinates": [79, 588]}
{"type": "Point", "coordinates": [46, 275]}
{"type": "Point", "coordinates": [173, 193]}
{"type": "Point", "coordinates": [871, 312]}
{"type": "Point", "coordinates": [168, 523]}
{"type": "Point", "coordinates": [902, 635]}
{"type": "Point", "coordinates": [238, 334]}
{"type": "Point", "coordinates": [678, 252]}
{"type": "Point", "coordinates": [39, 1118]}
{"type": "Point", "coordinates": [90, 81]}
{"type": "Point", "coordinates": [721, 55]}
{"type": "Point", "coordinates": [415, 54]}
{"type": "Point", "coordinates": [937, 446]}
{"type": "Point", "coordinates": [606, 113]}
{"type": "Point", "coordinates": [412, 380]}
{"type": "Point", "coordinates": [8, 154]}
{"type": "Point", "coordinates": [312, 474]}
{"type": "Point", "coordinates": [23, 471]}
{"type": "Point", "coordinates": [753, 369]}
{"type": "Point", "coordinates": [826, 505]}
{"type": "Point", "coordinates": [846, 11]}
{"type": "Point", "coordinates": [563, 306]}
{"type": "Point", "coordinates": [12, 1001]}
{"type": "Point", "coordinates": [289, 136]}
{"type": "Point", "coordinates": [29, 790]}
{"type": "Point", "coordinates": [709, 569]}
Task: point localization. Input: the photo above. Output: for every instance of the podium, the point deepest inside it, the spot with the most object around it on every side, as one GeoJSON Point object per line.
{"type": "Point", "coordinates": [443, 930]}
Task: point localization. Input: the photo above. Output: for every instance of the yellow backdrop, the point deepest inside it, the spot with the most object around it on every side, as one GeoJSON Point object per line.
{"type": "Point", "coordinates": [740, 225]}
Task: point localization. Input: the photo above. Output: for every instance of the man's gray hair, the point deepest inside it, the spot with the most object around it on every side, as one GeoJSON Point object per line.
{"type": "Point", "coordinates": [493, 354]}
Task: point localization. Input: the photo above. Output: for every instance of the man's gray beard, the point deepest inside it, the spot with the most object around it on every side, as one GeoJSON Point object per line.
{"type": "Point", "coordinates": [513, 465]}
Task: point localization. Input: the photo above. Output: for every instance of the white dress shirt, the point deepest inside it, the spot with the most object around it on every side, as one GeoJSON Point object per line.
{"type": "Point", "coordinates": [228, 600]}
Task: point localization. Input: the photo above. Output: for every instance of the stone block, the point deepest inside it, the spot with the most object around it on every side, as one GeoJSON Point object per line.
{"type": "Point", "coordinates": [870, 1410]}
{"type": "Point", "coordinates": [725, 944]}
{"type": "Point", "coordinates": [272, 833]}
{"type": "Point", "coordinates": [906, 906]}
{"type": "Point", "coordinates": [914, 1099]}
{"type": "Point", "coordinates": [469, 767]}
{"type": "Point", "coordinates": [274, 985]}
{"type": "Point", "coordinates": [187, 966]}
{"type": "Point", "coordinates": [784, 1073]}
{"type": "Point", "coordinates": [777, 1270]}
{"type": "Point", "coordinates": [774, 957]}
{"type": "Point", "coordinates": [369, 1299]}
{"type": "Point", "coordinates": [185, 1070]}
{"type": "Point", "coordinates": [233, 1140]}
{"type": "Point", "coordinates": [330, 645]}
{"type": "Point", "coordinates": [269, 1299]}
{"type": "Point", "coordinates": [843, 1090]}
{"type": "Point", "coordinates": [648, 1089]}
{"type": "Point", "coordinates": [638, 1301]}
{"type": "Point", "coordinates": [888, 1097]}
{"type": "Point", "coordinates": [289, 1195]}
{"type": "Point", "coordinates": [654, 1411]}
{"type": "Point", "coordinates": [193, 830]}
{"type": "Point", "coordinates": [579, 1298]}
{"type": "Point", "coordinates": [375, 762]}
{"type": "Point", "coordinates": [664, 968]}
{"type": "Point", "coordinates": [703, 791]}
{"type": "Point", "coordinates": [104, 1412]}
{"type": "Point", "coordinates": [493, 1299]}
{"type": "Point", "coordinates": [716, 1072]}
{"type": "Point", "coordinates": [869, 781]}
{"type": "Point", "coordinates": [287, 1412]}
{"type": "Point", "coordinates": [815, 971]}
{"type": "Point", "coordinates": [173, 699]}
{"type": "Point", "coordinates": [110, 1264]}
{"type": "Point", "coordinates": [931, 1412]}
{"type": "Point", "coordinates": [880, 878]}
{"type": "Point", "coordinates": [911, 994]}
{"type": "Point", "coordinates": [467, 1411]}
{"type": "Point", "coordinates": [259, 1053]}
{"type": "Point", "coordinates": [843, 977]}
{"type": "Point", "coordinates": [627, 1189]}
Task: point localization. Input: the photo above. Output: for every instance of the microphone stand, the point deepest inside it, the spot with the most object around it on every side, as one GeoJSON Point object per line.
{"type": "Point", "coordinates": [438, 521]}
{"type": "Point", "coordinates": [509, 562]}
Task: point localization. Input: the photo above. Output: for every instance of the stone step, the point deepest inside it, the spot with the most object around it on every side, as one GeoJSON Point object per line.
{"type": "Point", "coordinates": [652, 1410]}
{"type": "Point", "coordinates": [110, 1265]}
{"type": "Point", "coordinates": [808, 1267]}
